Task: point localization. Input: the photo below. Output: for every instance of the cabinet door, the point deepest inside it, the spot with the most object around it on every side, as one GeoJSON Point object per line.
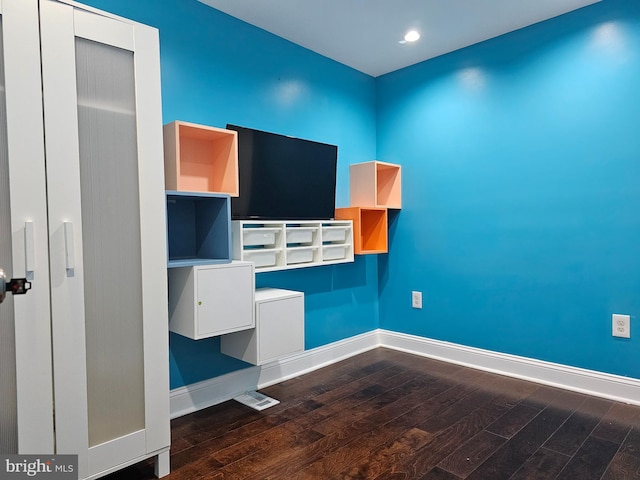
{"type": "Point", "coordinates": [104, 176]}
{"type": "Point", "coordinates": [224, 299]}
{"type": "Point", "coordinates": [280, 326]}
{"type": "Point", "coordinates": [25, 342]}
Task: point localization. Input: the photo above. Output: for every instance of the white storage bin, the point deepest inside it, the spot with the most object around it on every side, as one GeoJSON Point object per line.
{"type": "Point", "coordinates": [262, 258]}
{"type": "Point", "coordinates": [334, 252]}
{"type": "Point", "coordinates": [334, 234]}
{"type": "Point", "coordinates": [253, 237]}
{"type": "Point", "coordinates": [300, 234]}
{"type": "Point", "coordinates": [300, 255]}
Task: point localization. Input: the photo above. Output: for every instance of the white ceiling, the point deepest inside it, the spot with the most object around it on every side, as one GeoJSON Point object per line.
{"type": "Point", "coordinates": [365, 34]}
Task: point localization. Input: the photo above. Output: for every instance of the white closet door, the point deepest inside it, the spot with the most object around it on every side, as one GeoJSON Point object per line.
{"type": "Point", "coordinates": [107, 235]}
{"type": "Point", "coordinates": [25, 334]}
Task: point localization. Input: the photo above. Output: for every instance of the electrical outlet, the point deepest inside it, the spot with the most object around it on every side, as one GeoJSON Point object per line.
{"type": "Point", "coordinates": [416, 299]}
{"type": "Point", "coordinates": [621, 325]}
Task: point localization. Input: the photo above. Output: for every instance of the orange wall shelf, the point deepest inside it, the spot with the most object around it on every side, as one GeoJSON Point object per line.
{"type": "Point", "coordinates": [369, 228]}
{"type": "Point", "coordinates": [375, 184]}
{"type": "Point", "coordinates": [198, 158]}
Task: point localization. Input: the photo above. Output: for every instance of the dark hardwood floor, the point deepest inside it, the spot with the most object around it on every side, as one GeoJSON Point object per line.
{"type": "Point", "coordinates": [390, 415]}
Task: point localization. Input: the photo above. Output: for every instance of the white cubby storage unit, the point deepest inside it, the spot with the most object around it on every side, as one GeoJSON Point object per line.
{"type": "Point", "coordinates": [279, 330]}
{"type": "Point", "coordinates": [282, 245]}
{"type": "Point", "coordinates": [210, 300]}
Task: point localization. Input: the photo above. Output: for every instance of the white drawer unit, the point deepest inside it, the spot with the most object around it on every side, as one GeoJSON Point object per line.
{"type": "Point", "coordinates": [279, 330]}
{"type": "Point", "coordinates": [210, 300]}
{"type": "Point", "coordinates": [282, 245]}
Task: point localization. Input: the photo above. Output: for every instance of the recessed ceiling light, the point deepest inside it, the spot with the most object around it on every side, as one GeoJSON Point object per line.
{"type": "Point", "coordinates": [411, 36]}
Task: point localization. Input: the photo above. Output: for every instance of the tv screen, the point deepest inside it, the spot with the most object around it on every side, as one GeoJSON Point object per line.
{"type": "Point", "coordinates": [284, 178]}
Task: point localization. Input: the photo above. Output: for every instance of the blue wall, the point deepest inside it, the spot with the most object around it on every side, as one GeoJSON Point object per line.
{"type": "Point", "coordinates": [218, 70]}
{"type": "Point", "coordinates": [521, 160]}
{"type": "Point", "coordinates": [521, 186]}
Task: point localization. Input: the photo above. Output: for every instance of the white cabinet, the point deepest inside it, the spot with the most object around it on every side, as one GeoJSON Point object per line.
{"type": "Point", "coordinates": [80, 168]}
{"type": "Point", "coordinates": [279, 328]}
{"type": "Point", "coordinates": [206, 301]}
{"type": "Point", "coordinates": [282, 245]}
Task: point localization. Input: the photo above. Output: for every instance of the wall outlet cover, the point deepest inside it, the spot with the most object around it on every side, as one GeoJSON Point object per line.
{"type": "Point", "coordinates": [621, 325]}
{"type": "Point", "coordinates": [416, 299]}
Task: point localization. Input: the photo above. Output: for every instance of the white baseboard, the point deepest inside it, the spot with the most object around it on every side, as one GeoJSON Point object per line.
{"type": "Point", "coordinates": [204, 394]}
{"type": "Point", "coordinates": [316, 358]}
{"type": "Point", "coordinates": [220, 389]}
{"type": "Point", "coordinates": [613, 387]}
{"type": "Point", "coordinates": [198, 396]}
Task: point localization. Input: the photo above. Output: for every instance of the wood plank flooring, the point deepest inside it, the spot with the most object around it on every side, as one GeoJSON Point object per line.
{"type": "Point", "coordinates": [390, 415]}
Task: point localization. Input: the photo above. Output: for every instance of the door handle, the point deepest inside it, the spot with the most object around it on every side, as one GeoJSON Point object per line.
{"type": "Point", "coordinates": [69, 248]}
{"type": "Point", "coordinates": [29, 248]}
{"type": "Point", "coordinates": [16, 286]}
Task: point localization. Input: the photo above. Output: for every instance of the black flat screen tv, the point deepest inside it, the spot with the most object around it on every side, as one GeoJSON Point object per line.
{"type": "Point", "coordinates": [284, 178]}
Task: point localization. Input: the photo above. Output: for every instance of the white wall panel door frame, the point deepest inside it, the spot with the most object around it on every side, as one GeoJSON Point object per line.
{"type": "Point", "coordinates": [26, 166]}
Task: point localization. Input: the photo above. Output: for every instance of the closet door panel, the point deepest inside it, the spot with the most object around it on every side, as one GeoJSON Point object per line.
{"type": "Point", "coordinates": [65, 231]}
{"type": "Point", "coordinates": [107, 208]}
{"type": "Point", "coordinates": [135, 118]}
{"type": "Point", "coordinates": [25, 342]}
{"type": "Point", "coordinates": [111, 240]}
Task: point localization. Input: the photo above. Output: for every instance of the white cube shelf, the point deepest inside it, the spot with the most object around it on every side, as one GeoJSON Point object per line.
{"type": "Point", "coordinates": [279, 330]}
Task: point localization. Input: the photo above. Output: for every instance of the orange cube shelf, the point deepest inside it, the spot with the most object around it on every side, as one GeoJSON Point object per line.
{"type": "Point", "coordinates": [198, 158]}
{"type": "Point", "coordinates": [375, 184]}
{"type": "Point", "coordinates": [369, 228]}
